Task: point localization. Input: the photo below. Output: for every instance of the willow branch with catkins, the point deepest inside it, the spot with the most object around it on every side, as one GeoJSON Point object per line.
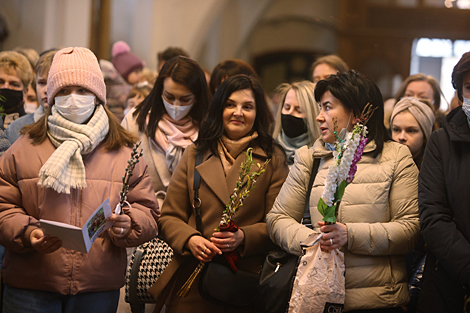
{"type": "Point", "coordinates": [246, 182]}
{"type": "Point", "coordinates": [131, 163]}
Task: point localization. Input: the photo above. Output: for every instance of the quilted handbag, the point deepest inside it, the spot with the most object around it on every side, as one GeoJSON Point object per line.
{"type": "Point", "coordinates": [149, 261]}
{"type": "Point", "coordinates": [147, 264]}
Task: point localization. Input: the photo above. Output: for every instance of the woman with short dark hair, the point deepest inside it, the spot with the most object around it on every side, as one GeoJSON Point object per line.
{"type": "Point", "coordinates": [377, 220]}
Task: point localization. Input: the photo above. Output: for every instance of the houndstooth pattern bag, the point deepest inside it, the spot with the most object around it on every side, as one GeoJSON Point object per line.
{"type": "Point", "coordinates": [147, 264]}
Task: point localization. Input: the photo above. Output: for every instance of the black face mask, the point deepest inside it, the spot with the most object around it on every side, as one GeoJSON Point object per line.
{"type": "Point", "coordinates": [293, 126]}
{"type": "Point", "coordinates": [10, 100]}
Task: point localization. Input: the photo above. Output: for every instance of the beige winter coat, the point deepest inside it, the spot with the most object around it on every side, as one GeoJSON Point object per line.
{"type": "Point", "coordinates": [153, 156]}
{"type": "Point", "coordinates": [380, 210]}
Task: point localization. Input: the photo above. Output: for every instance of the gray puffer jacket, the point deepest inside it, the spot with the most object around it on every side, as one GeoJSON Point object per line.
{"type": "Point", "coordinates": [380, 210]}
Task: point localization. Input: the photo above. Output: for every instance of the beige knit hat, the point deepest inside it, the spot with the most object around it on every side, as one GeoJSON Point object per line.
{"type": "Point", "coordinates": [420, 110]}
{"type": "Point", "coordinates": [75, 66]}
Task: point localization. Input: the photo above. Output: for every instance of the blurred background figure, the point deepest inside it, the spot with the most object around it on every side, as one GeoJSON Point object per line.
{"type": "Point", "coordinates": [455, 102]}
{"type": "Point", "coordinates": [423, 87]}
{"type": "Point", "coordinates": [4, 145]}
{"type": "Point", "coordinates": [229, 68]}
{"type": "Point", "coordinates": [15, 77]}
{"type": "Point", "coordinates": [168, 54]}
{"type": "Point", "coordinates": [124, 70]}
{"type": "Point", "coordinates": [31, 100]}
{"type": "Point", "coordinates": [328, 65]}
{"type": "Point", "coordinates": [137, 95]}
{"type": "Point", "coordinates": [149, 76]}
{"type": "Point", "coordinates": [42, 72]}
{"type": "Point", "coordinates": [127, 63]}
{"type": "Point", "coordinates": [295, 124]}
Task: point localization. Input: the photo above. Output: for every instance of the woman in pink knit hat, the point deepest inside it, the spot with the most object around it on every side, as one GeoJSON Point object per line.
{"type": "Point", "coordinates": [63, 168]}
{"type": "Point", "coordinates": [123, 72]}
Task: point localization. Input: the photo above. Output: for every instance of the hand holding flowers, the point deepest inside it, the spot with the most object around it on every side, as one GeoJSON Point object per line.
{"type": "Point", "coordinates": [349, 147]}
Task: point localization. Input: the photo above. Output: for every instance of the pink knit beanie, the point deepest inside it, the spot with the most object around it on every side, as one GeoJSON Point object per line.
{"type": "Point", "coordinates": [124, 60]}
{"type": "Point", "coordinates": [75, 66]}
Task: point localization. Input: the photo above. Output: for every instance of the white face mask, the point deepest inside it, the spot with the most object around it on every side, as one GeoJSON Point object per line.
{"type": "Point", "coordinates": [75, 108]}
{"type": "Point", "coordinates": [177, 112]}
{"type": "Point", "coordinates": [466, 107]}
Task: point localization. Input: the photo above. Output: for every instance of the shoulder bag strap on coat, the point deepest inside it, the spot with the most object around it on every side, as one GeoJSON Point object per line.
{"type": "Point", "coordinates": [306, 216]}
{"type": "Point", "coordinates": [197, 183]}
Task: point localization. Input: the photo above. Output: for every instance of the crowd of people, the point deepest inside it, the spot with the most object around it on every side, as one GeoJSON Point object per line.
{"type": "Point", "coordinates": [69, 123]}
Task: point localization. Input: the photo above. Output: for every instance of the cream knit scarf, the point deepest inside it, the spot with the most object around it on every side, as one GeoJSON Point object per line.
{"type": "Point", "coordinates": [65, 169]}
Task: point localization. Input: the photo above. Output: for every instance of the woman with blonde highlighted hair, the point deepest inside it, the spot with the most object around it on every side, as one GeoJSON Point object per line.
{"type": "Point", "coordinates": [295, 121]}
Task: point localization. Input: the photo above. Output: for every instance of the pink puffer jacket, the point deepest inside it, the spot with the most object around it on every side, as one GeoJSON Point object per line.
{"type": "Point", "coordinates": [23, 203]}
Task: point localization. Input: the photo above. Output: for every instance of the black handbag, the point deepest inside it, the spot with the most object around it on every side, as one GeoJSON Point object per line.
{"type": "Point", "coordinates": [279, 268]}
{"type": "Point", "coordinates": [220, 285]}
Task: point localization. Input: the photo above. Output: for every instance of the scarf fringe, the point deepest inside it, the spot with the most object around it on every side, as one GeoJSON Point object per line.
{"type": "Point", "coordinates": [64, 170]}
{"type": "Point", "coordinates": [60, 187]}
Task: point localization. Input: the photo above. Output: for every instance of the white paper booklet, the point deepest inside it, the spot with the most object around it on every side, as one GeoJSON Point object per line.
{"type": "Point", "coordinates": [80, 239]}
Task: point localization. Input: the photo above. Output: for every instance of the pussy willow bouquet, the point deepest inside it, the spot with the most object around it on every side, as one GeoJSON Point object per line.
{"type": "Point", "coordinates": [349, 147]}
{"type": "Point", "coordinates": [246, 182]}
{"type": "Point", "coordinates": [135, 155]}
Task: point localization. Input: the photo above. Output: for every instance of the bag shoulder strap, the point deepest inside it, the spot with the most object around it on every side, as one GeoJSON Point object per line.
{"type": "Point", "coordinates": [306, 216]}
{"type": "Point", "coordinates": [133, 279]}
{"type": "Point", "coordinates": [196, 185]}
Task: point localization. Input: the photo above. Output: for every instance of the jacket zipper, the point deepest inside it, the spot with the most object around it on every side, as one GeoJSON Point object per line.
{"type": "Point", "coordinates": [76, 221]}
